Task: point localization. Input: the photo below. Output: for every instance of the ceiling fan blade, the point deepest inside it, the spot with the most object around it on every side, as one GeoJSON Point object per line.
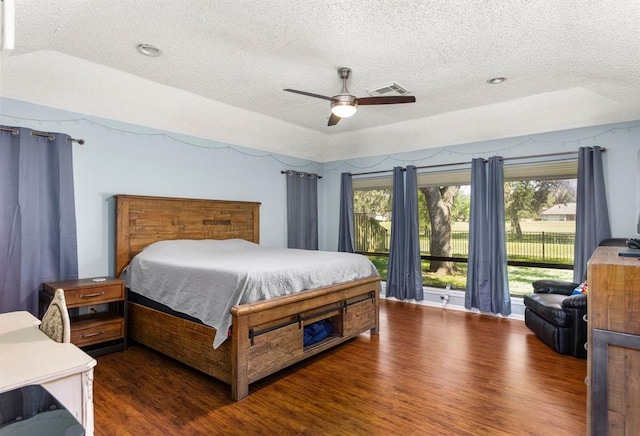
{"type": "Point", "coordinates": [333, 119]}
{"type": "Point", "coordinates": [392, 99]}
{"type": "Point", "coordinates": [308, 94]}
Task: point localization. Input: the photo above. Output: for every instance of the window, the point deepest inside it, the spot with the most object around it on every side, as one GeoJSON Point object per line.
{"type": "Point", "coordinates": [540, 214]}
{"type": "Point", "coordinates": [372, 216]}
{"type": "Point", "coordinates": [539, 227]}
{"type": "Point", "coordinates": [444, 221]}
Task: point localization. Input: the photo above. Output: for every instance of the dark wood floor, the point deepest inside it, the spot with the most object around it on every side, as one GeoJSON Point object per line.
{"type": "Point", "coordinates": [430, 371]}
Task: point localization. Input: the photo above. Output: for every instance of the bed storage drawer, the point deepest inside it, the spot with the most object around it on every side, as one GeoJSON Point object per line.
{"type": "Point", "coordinates": [273, 349]}
{"type": "Point", "coordinates": [359, 315]}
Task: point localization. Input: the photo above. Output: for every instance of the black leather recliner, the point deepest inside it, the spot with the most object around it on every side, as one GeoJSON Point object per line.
{"type": "Point", "coordinates": [556, 317]}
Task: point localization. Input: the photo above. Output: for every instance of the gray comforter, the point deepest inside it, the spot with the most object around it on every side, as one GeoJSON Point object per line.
{"type": "Point", "coordinates": [206, 278]}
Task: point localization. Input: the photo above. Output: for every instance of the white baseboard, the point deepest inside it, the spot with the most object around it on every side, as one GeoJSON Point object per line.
{"type": "Point", "coordinates": [432, 298]}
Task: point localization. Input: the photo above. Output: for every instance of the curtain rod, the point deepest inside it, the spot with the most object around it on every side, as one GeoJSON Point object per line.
{"type": "Point", "coordinates": [562, 153]}
{"type": "Point", "coordinates": [50, 136]}
{"type": "Point", "coordinates": [285, 172]}
{"type": "Point", "coordinates": [373, 172]}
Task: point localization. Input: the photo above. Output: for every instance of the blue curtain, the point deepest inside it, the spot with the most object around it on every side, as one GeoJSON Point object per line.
{"type": "Point", "coordinates": [404, 275]}
{"type": "Point", "coordinates": [413, 287]}
{"type": "Point", "coordinates": [302, 210]}
{"type": "Point", "coordinates": [346, 232]}
{"type": "Point", "coordinates": [395, 276]}
{"type": "Point", "coordinates": [592, 213]}
{"type": "Point", "coordinates": [487, 284]}
{"type": "Point", "coordinates": [37, 216]}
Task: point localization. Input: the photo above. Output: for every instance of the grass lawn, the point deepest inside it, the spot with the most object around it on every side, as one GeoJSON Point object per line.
{"type": "Point", "coordinates": [520, 278]}
{"type": "Point", "coordinates": [530, 226]}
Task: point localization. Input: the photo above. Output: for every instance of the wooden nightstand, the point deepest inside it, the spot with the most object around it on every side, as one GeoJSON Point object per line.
{"type": "Point", "coordinates": [98, 312]}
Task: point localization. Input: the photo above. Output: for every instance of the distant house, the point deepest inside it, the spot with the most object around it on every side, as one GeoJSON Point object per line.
{"type": "Point", "coordinates": [560, 212]}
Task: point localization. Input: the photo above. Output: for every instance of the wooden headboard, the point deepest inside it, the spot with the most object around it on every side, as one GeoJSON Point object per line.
{"type": "Point", "coordinates": [142, 220]}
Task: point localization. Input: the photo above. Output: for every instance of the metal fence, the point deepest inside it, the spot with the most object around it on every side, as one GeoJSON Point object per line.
{"type": "Point", "coordinates": [370, 236]}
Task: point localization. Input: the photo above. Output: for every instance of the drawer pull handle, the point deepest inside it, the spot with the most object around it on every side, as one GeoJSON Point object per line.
{"type": "Point", "coordinates": [586, 346]}
{"type": "Point", "coordinates": [97, 294]}
{"type": "Point", "coordinates": [90, 335]}
{"type": "Point", "coordinates": [584, 317]}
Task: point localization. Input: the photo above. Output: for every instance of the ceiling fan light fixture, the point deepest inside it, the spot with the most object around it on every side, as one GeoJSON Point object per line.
{"type": "Point", "coordinates": [343, 109]}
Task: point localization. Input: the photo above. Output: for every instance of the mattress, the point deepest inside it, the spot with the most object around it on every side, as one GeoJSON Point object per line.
{"type": "Point", "coordinates": [206, 278]}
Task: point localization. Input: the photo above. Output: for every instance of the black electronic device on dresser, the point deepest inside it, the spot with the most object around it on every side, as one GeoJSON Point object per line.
{"type": "Point", "coordinates": [632, 250]}
{"type": "Point", "coordinates": [633, 243]}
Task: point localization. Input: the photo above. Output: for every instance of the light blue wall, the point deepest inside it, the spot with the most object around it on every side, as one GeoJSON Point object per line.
{"type": "Point", "coordinates": [119, 158]}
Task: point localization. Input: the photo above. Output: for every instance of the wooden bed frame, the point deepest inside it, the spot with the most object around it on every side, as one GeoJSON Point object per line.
{"type": "Point", "coordinates": [267, 335]}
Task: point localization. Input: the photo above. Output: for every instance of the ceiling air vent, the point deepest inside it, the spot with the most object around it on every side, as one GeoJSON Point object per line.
{"type": "Point", "coordinates": [389, 89]}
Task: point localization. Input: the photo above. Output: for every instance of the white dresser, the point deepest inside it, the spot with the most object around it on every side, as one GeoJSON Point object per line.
{"type": "Point", "coordinates": [29, 357]}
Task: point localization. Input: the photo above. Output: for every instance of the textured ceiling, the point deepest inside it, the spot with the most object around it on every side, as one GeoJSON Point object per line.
{"type": "Point", "coordinates": [569, 63]}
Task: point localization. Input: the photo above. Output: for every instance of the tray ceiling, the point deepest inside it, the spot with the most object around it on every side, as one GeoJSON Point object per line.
{"type": "Point", "coordinates": [224, 65]}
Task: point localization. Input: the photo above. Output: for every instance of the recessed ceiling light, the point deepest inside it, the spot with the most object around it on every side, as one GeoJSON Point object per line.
{"type": "Point", "coordinates": [496, 80]}
{"type": "Point", "coordinates": [149, 50]}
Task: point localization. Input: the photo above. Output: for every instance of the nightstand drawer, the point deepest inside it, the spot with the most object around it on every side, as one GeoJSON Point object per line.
{"type": "Point", "coordinates": [93, 295]}
{"type": "Point", "coordinates": [93, 331]}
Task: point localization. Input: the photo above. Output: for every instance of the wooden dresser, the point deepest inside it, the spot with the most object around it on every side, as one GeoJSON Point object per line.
{"type": "Point", "coordinates": [613, 366]}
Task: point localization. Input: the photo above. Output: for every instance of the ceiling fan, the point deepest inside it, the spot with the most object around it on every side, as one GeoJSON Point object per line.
{"type": "Point", "coordinates": [344, 105]}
